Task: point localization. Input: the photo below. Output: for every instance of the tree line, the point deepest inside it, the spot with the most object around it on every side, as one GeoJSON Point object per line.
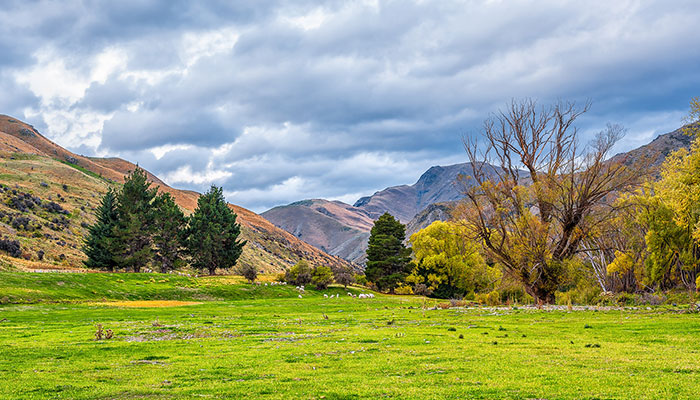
{"type": "Point", "coordinates": [137, 227]}
{"type": "Point", "coordinates": [547, 217]}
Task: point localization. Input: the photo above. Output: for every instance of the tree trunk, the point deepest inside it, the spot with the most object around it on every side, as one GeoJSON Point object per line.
{"type": "Point", "coordinates": [212, 270]}
{"type": "Point", "coordinates": [540, 294]}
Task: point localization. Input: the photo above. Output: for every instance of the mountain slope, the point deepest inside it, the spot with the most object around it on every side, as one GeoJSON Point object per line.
{"type": "Point", "coordinates": [33, 166]}
{"type": "Point", "coordinates": [332, 226]}
{"type": "Point", "coordinates": [436, 185]}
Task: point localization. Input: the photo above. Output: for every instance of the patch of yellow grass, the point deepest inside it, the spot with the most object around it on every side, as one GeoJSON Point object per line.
{"type": "Point", "coordinates": [147, 303]}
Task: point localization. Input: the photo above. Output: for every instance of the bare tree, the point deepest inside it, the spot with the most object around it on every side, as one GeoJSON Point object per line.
{"type": "Point", "coordinates": [536, 194]}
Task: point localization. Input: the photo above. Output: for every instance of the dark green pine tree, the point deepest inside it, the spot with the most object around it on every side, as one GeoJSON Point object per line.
{"type": "Point", "coordinates": [212, 234]}
{"type": "Point", "coordinates": [169, 224]}
{"type": "Point", "coordinates": [388, 260]}
{"type": "Point", "coordinates": [99, 245]}
{"type": "Point", "coordinates": [135, 226]}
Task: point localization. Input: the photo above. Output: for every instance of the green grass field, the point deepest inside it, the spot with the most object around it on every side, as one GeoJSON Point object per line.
{"type": "Point", "coordinates": [244, 341]}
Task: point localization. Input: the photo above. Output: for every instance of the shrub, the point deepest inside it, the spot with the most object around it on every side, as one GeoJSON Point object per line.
{"type": "Point", "coordinates": [652, 299]}
{"type": "Point", "coordinates": [12, 247]}
{"type": "Point", "coordinates": [344, 277]}
{"type": "Point", "coordinates": [300, 274]}
{"type": "Point", "coordinates": [627, 299]}
{"type": "Point", "coordinates": [322, 277]}
{"type": "Point", "coordinates": [403, 289]}
{"type": "Point", "coordinates": [361, 279]}
{"type": "Point", "coordinates": [492, 298]}
{"type": "Point", "coordinates": [248, 271]}
{"type": "Point", "coordinates": [422, 289]}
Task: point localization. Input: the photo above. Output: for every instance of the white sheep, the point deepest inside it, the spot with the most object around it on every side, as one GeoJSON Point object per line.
{"type": "Point", "coordinates": [300, 296]}
{"type": "Point", "coordinates": [325, 295]}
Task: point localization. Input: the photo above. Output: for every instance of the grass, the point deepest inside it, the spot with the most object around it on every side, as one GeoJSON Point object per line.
{"type": "Point", "coordinates": [83, 170]}
{"type": "Point", "coordinates": [265, 342]}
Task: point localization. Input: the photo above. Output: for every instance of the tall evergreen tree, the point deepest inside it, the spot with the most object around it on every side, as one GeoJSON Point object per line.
{"type": "Point", "coordinates": [99, 245]}
{"type": "Point", "coordinates": [388, 260]}
{"type": "Point", "coordinates": [135, 226]}
{"type": "Point", "coordinates": [212, 235]}
{"type": "Point", "coordinates": [169, 223]}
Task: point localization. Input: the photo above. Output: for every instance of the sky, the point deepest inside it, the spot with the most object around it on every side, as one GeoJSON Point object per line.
{"type": "Point", "coordinates": [278, 101]}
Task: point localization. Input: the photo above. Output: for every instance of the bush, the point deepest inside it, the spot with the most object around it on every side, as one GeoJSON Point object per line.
{"type": "Point", "coordinates": [403, 289]}
{"type": "Point", "coordinates": [344, 277]}
{"type": "Point", "coordinates": [652, 299]}
{"type": "Point", "coordinates": [627, 299]}
{"type": "Point", "coordinates": [12, 247]}
{"type": "Point", "coordinates": [361, 279]}
{"type": "Point", "coordinates": [248, 271]}
{"type": "Point", "coordinates": [422, 289]}
{"type": "Point", "coordinates": [300, 274]}
{"type": "Point", "coordinates": [490, 299]}
{"type": "Point", "coordinates": [322, 277]}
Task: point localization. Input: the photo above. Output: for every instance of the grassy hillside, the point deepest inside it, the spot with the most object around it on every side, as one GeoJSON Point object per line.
{"type": "Point", "coordinates": [34, 168]}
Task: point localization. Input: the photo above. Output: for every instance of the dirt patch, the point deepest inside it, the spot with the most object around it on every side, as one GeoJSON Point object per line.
{"type": "Point", "coordinates": [147, 303]}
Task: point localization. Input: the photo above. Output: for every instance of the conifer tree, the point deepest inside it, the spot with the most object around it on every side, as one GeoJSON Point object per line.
{"type": "Point", "coordinates": [169, 223]}
{"type": "Point", "coordinates": [99, 245]}
{"type": "Point", "coordinates": [388, 260]}
{"type": "Point", "coordinates": [135, 225]}
{"type": "Point", "coordinates": [212, 235]}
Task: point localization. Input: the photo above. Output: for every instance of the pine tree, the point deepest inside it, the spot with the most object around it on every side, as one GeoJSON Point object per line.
{"type": "Point", "coordinates": [388, 260]}
{"type": "Point", "coordinates": [135, 225]}
{"type": "Point", "coordinates": [169, 223]}
{"type": "Point", "coordinates": [212, 235]}
{"type": "Point", "coordinates": [99, 245]}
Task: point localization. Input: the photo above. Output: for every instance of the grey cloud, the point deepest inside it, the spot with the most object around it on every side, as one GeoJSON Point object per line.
{"type": "Point", "coordinates": [404, 80]}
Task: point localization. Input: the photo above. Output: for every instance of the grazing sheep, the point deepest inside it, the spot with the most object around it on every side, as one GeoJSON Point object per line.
{"type": "Point", "coordinates": [300, 296]}
{"type": "Point", "coordinates": [349, 294]}
{"type": "Point", "coordinates": [325, 295]}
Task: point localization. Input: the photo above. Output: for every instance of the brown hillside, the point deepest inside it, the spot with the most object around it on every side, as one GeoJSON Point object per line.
{"type": "Point", "coordinates": [269, 248]}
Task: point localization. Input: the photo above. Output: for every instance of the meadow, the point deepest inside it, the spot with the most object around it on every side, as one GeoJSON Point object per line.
{"type": "Point", "coordinates": [218, 337]}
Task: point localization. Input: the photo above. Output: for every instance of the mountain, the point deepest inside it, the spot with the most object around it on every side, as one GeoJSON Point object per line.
{"type": "Point", "coordinates": [343, 230]}
{"type": "Point", "coordinates": [431, 198]}
{"type": "Point", "coordinates": [49, 196]}
{"type": "Point", "coordinates": [438, 184]}
{"type": "Point", "coordinates": [332, 226]}
{"type": "Point", "coordinates": [658, 149]}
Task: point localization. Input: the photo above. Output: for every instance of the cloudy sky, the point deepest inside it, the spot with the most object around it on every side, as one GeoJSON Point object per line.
{"type": "Point", "coordinates": [278, 101]}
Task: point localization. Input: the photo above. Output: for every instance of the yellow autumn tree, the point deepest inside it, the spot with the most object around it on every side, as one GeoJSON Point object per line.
{"type": "Point", "coordinates": [448, 263]}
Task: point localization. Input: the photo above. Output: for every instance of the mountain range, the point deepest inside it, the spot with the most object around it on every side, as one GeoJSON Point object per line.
{"type": "Point", "coordinates": [48, 197]}
{"type": "Point", "coordinates": [343, 230]}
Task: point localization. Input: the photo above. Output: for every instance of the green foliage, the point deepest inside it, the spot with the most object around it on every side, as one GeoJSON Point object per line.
{"type": "Point", "coordinates": [322, 277]}
{"type": "Point", "coordinates": [449, 263]}
{"type": "Point", "coordinates": [135, 224]}
{"type": "Point", "coordinates": [388, 260]}
{"type": "Point", "coordinates": [492, 298]}
{"type": "Point", "coordinates": [212, 235]}
{"type": "Point", "coordinates": [672, 215]}
{"type": "Point", "coordinates": [168, 233]}
{"type": "Point", "coordinates": [99, 245]}
{"type": "Point", "coordinates": [300, 274]}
